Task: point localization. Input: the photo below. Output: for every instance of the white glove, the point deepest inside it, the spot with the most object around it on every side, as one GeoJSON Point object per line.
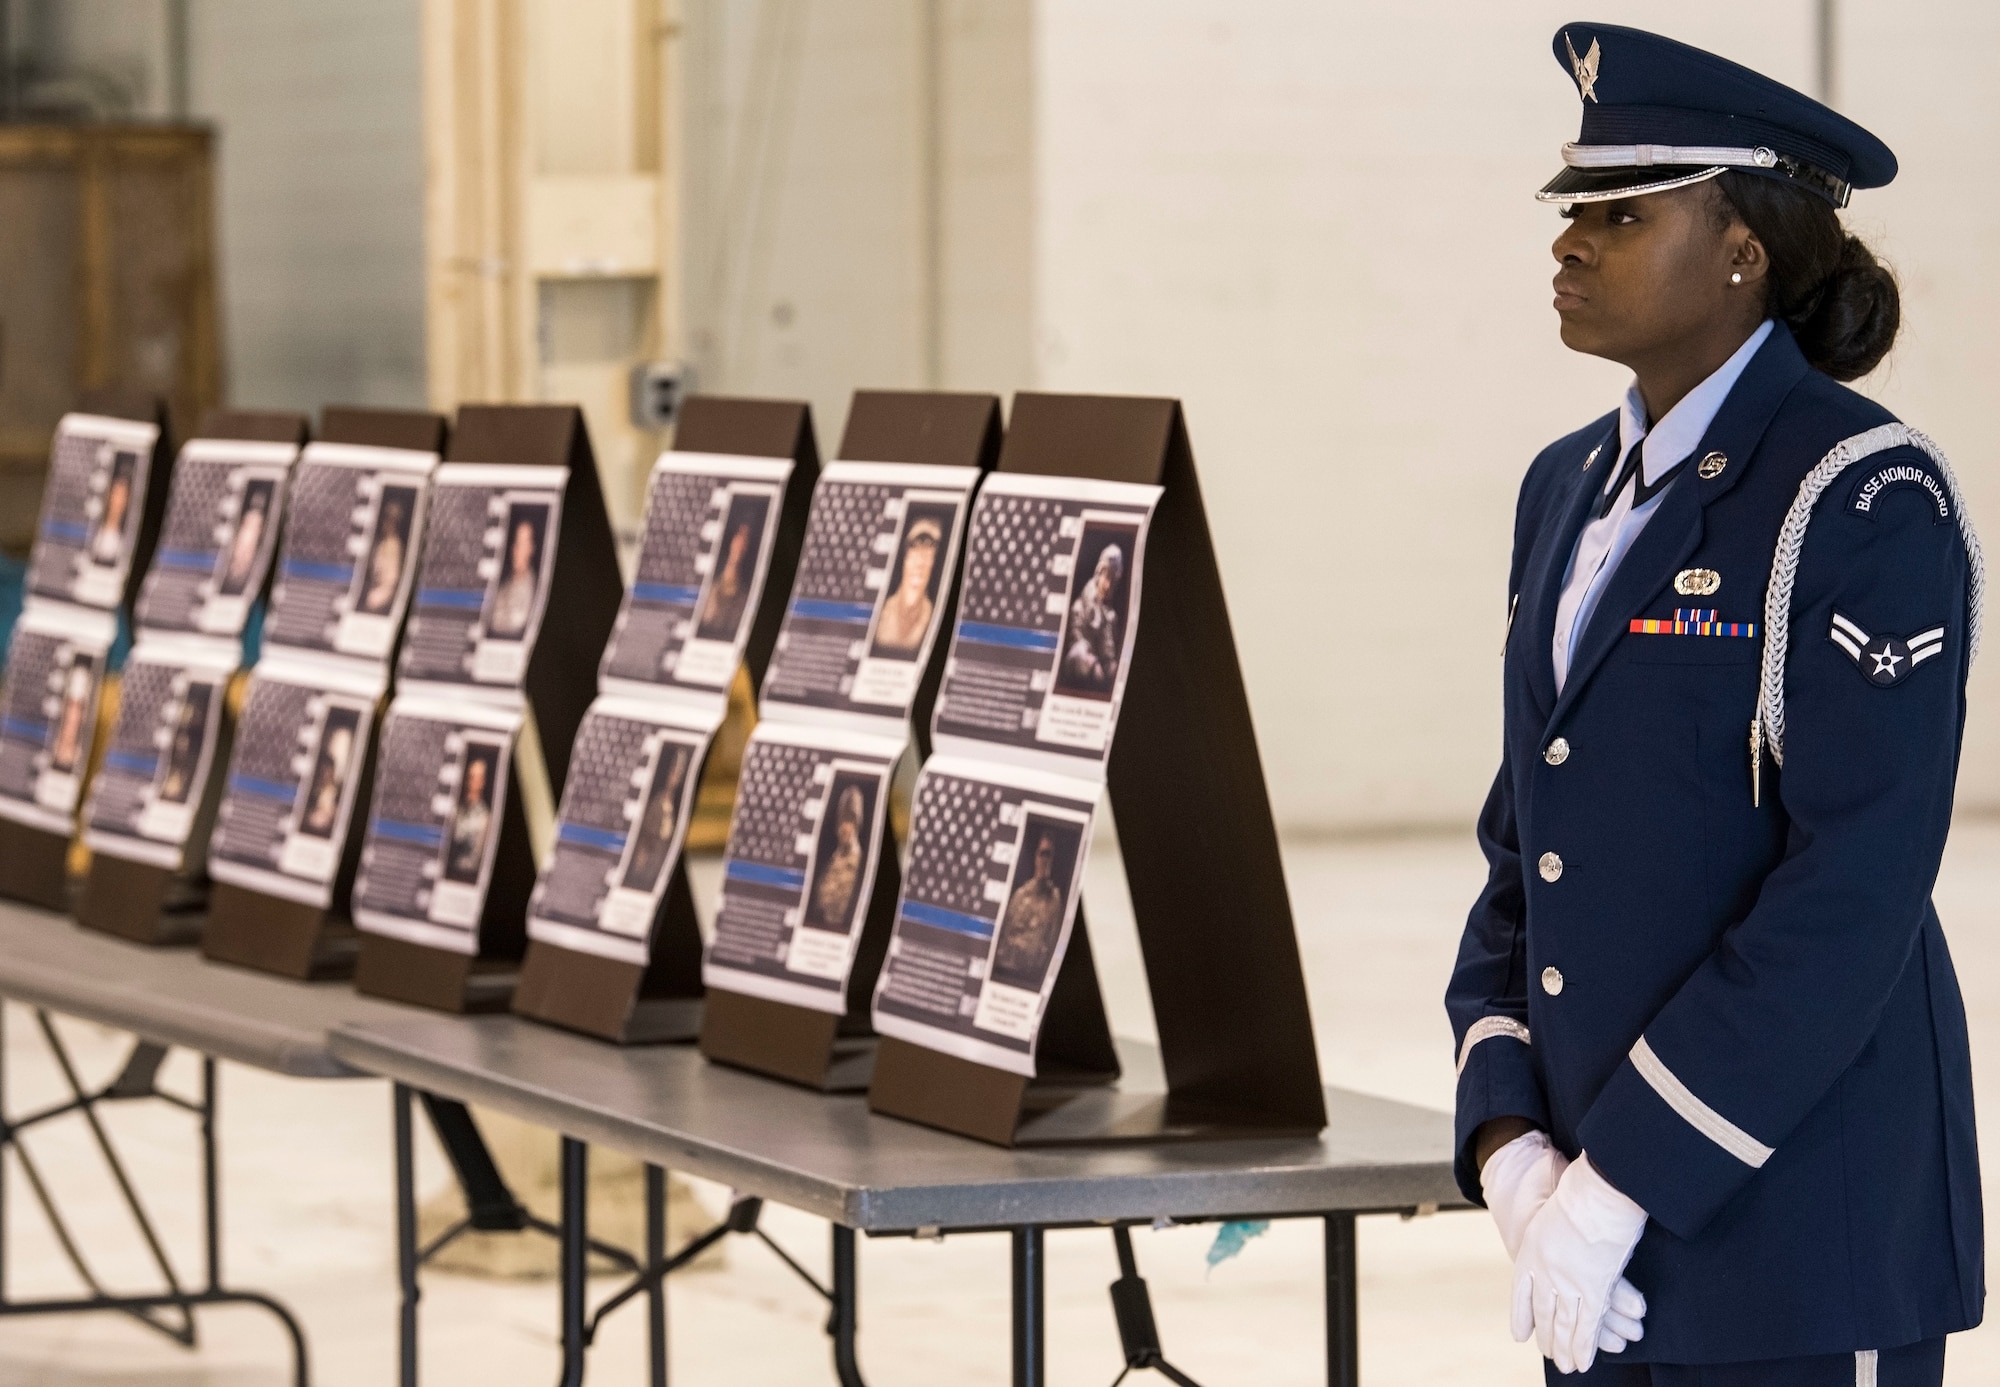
{"type": "Point", "coordinates": [1517, 1180]}
{"type": "Point", "coordinates": [1569, 1287]}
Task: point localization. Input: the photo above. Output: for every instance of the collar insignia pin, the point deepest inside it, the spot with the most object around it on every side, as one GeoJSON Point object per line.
{"type": "Point", "coordinates": [1697, 582]}
{"type": "Point", "coordinates": [1585, 67]}
{"type": "Point", "coordinates": [1711, 466]}
{"type": "Point", "coordinates": [1593, 456]}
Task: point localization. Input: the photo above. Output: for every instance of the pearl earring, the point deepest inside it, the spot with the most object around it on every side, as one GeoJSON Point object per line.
{"type": "Point", "coordinates": [1736, 279]}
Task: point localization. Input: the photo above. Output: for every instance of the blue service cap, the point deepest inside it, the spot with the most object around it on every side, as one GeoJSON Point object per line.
{"type": "Point", "coordinates": [1659, 114]}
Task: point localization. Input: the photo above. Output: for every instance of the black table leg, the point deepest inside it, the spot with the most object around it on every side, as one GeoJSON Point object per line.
{"type": "Point", "coordinates": [656, 1287]}
{"type": "Point", "coordinates": [1343, 1313]}
{"type": "Point", "coordinates": [1030, 1330]}
{"type": "Point", "coordinates": [846, 1298]}
{"type": "Point", "coordinates": [575, 1258]}
{"type": "Point", "coordinates": [406, 1236]}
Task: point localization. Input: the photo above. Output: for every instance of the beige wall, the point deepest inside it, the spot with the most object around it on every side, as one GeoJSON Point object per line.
{"type": "Point", "coordinates": [1312, 221]}
{"type": "Point", "coordinates": [858, 197]}
{"type": "Point", "coordinates": [320, 190]}
{"type": "Point", "coordinates": [1308, 218]}
{"type": "Point", "coordinates": [319, 174]}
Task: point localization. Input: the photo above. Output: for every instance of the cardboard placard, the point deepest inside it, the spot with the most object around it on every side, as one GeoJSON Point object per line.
{"type": "Point", "coordinates": [531, 652]}
{"type": "Point", "coordinates": [1222, 960]}
{"type": "Point", "coordinates": [149, 901]}
{"type": "Point", "coordinates": [88, 479]}
{"type": "Point", "coordinates": [831, 905]}
{"type": "Point", "coordinates": [267, 917]}
{"type": "Point", "coordinates": [613, 994]}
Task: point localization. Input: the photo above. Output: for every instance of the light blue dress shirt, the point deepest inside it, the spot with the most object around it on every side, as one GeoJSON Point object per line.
{"type": "Point", "coordinates": [1604, 542]}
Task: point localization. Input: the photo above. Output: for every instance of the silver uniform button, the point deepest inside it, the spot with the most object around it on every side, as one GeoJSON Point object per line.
{"type": "Point", "coordinates": [1557, 751]}
{"type": "Point", "coordinates": [1551, 866]}
{"type": "Point", "coordinates": [1552, 981]}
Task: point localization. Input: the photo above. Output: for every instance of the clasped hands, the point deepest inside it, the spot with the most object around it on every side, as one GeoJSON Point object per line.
{"type": "Point", "coordinates": [1570, 1233]}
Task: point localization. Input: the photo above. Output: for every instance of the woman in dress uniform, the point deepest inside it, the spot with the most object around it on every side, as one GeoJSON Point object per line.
{"type": "Point", "coordinates": [1714, 1081]}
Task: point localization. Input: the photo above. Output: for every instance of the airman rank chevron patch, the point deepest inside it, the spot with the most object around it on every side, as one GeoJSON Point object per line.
{"type": "Point", "coordinates": [1692, 621]}
{"type": "Point", "coordinates": [1885, 660]}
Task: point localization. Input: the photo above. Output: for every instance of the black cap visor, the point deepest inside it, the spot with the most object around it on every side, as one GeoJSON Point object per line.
{"type": "Point", "coordinates": [1605, 185]}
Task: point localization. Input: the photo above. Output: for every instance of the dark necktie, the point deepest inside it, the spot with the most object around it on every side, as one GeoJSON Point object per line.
{"type": "Point", "coordinates": [1634, 471]}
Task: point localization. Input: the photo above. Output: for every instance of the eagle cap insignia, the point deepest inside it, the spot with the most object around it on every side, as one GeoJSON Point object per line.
{"type": "Point", "coordinates": [1585, 67]}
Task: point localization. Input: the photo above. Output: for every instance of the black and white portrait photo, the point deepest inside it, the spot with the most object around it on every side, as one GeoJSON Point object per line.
{"type": "Point", "coordinates": [388, 557]}
{"type": "Point", "coordinates": [472, 818]}
{"type": "Point", "coordinates": [186, 743]}
{"type": "Point", "coordinates": [1037, 900]}
{"type": "Point", "coordinates": [337, 737]}
{"type": "Point", "coordinates": [841, 861]}
{"type": "Point", "coordinates": [511, 605]}
{"type": "Point", "coordinates": [108, 538]}
{"type": "Point", "coordinates": [910, 604]}
{"type": "Point", "coordinates": [240, 566]}
{"type": "Point", "coordinates": [659, 819]}
{"type": "Point", "coordinates": [72, 732]}
{"type": "Point", "coordinates": [1093, 638]}
{"type": "Point", "coordinates": [734, 569]}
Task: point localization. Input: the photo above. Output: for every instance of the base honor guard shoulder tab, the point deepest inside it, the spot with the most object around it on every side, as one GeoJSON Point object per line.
{"type": "Point", "coordinates": [1878, 482]}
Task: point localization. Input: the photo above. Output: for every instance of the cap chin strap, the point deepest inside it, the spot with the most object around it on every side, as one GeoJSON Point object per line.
{"type": "Point", "coordinates": [1642, 156]}
{"type": "Point", "coordinates": [1770, 718]}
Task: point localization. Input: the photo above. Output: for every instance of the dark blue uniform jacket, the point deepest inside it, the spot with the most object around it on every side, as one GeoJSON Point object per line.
{"type": "Point", "coordinates": [1757, 1033]}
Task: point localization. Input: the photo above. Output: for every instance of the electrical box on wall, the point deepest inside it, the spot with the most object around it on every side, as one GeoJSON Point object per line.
{"type": "Point", "coordinates": [658, 387]}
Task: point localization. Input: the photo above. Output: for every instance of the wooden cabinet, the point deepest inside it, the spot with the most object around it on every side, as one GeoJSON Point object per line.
{"type": "Point", "coordinates": [107, 278]}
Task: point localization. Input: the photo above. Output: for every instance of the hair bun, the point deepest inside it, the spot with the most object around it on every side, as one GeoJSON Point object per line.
{"type": "Point", "coordinates": [1853, 320]}
{"type": "Point", "coordinates": [1839, 301]}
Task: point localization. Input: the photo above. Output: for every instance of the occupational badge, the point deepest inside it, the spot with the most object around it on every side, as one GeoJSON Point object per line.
{"type": "Point", "coordinates": [1697, 582]}
{"type": "Point", "coordinates": [1885, 660]}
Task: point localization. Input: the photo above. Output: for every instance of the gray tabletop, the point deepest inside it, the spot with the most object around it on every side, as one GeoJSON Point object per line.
{"type": "Point", "coordinates": [830, 1156]}
{"type": "Point", "coordinates": [177, 997]}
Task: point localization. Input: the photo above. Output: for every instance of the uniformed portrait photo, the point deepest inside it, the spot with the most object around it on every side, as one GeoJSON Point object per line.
{"type": "Point", "coordinates": [653, 836]}
{"type": "Point", "coordinates": [338, 736]}
{"type": "Point", "coordinates": [840, 858]}
{"type": "Point", "coordinates": [1093, 638]}
{"type": "Point", "coordinates": [240, 556]}
{"type": "Point", "coordinates": [733, 568]}
{"type": "Point", "coordinates": [472, 817]}
{"type": "Point", "coordinates": [1037, 899]}
{"type": "Point", "coordinates": [388, 557]}
{"type": "Point", "coordinates": [517, 585]}
{"type": "Point", "coordinates": [108, 538]}
{"type": "Point", "coordinates": [73, 717]}
{"type": "Point", "coordinates": [915, 579]}
{"type": "Point", "coordinates": [182, 768]}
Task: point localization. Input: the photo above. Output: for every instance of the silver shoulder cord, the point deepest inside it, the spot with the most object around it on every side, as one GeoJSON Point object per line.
{"type": "Point", "coordinates": [1767, 726]}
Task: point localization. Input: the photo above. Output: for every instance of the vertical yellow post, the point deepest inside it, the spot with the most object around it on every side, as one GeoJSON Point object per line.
{"type": "Point", "coordinates": [550, 213]}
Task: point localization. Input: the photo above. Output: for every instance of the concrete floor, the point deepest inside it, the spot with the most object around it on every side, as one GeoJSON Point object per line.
{"type": "Point", "coordinates": [308, 1213]}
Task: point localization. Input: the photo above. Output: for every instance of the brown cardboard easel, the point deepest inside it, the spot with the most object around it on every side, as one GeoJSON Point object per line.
{"type": "Point", "coordinates": [1208, 888]}
{"type": "Point", "coordinates": [818, 1048]}
{"type": "Point", "coordinates": [561, 680]}
{"type": "Point", "coordinates": [135, 900]}
{"type": "Point", "coordinates": [34, 863]}
{"type": "Point", "coordinates": [288, 937]}
{"type": "Point", "coordinates": [661, 1000]}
